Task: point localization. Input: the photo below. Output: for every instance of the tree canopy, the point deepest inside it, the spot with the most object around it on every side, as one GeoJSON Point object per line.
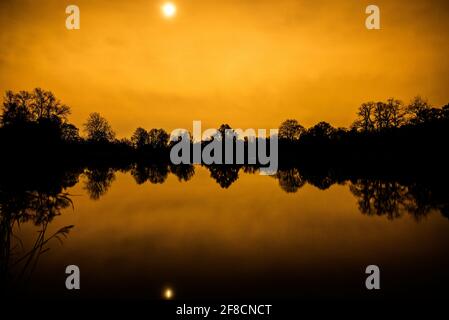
{"type": "Point", "coordinates": [98, 129]}
{"type": "Point", "coordinates": [290, 130]}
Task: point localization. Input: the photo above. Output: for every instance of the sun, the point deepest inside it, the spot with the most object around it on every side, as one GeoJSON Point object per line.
{"type": "Point", "coordinates": [168, 9]}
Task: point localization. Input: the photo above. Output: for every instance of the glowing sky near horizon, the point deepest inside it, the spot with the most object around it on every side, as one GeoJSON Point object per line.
{"type": "Point", "coordinates": [246, 63]}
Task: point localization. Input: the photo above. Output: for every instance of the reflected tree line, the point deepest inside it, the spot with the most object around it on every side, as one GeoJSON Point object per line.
{"type": "Point", "coordinates": [389, 196]}
{"type": "Point", "coordinates": [39, 196]}
{"type": "Point", "coordinates": [377, 195]}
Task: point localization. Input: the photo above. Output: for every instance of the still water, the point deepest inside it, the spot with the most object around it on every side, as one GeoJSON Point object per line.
{"type": "Point", "coordinates": [253, 237]}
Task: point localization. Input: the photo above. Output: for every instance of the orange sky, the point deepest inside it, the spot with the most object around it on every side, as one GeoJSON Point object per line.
{"type": "Point", "coordinates": [243, 62]}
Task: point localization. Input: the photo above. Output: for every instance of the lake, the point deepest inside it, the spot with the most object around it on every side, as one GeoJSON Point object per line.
{"type": "Point", "coordinates": [157, 234]}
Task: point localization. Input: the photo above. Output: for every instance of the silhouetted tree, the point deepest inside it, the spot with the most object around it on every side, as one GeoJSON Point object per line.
{"type": "Point", "coordinates": [98, 129]}
{"type": "Point", "coordinates": [418, 110]}
{"type": "Point", "coordinates": [158, 138]}
{"type": "Point", "coordinates": [290, 130]}
{"type": "Point", "coordinates": [379, 115]}
{"type": "Point", "coordinates": [365, 121]}
{"type": "Point", "coordinates": [35, 116]}
{"type": "Point", "coordinates": [140, 138]}
{"type": "Point", "coordinates": [70, 133]}
{"type": "Point", "coordinates": [33, 106]}
{"type": "Point", "coordinates": [16, 108]}
{"type": "Point", "coordinates": [445, 112]}
{"type": "Point", "coordinates": [46, 106]}
{"type": "Point", "coordinates": [322, 130]}
{"type": "Point", "coordinates": [382, 116]}
{"type": "Point", "coordinates": [396, 112]}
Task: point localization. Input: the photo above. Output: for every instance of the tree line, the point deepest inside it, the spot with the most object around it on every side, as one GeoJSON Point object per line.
{"type": "Point", "coordinates": [371, 117]}
{"type": "Point", "coordinates": [38, 118]}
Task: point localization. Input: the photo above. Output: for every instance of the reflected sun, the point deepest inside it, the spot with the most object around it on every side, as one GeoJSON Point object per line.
{"type": "Point", "coordinates": [168, 293]}
{"type": "Point", "coordinates": [168, 9]}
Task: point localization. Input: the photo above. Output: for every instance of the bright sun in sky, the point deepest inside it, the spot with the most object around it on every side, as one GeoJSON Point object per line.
{"type": "Point", "coordinates": [168, 9]}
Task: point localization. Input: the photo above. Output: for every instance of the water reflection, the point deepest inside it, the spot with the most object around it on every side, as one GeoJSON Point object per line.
{"type": "Point", "coordinates": [183, 172]}
{"type": "Point", "coordinates": [37, 197]}
{"type": "Point", "coordinates": [168, 294]}
{"type": "Point", "coordinates": [290, 180]}
{"type": "Point", "coordinates": [98, 182]}
{"type": "Point", "coordinates": [392, 199]}
{"type": "Point", "coordinates": [224, 175]}
{"type": "Point", "coordinates": [27, 197]}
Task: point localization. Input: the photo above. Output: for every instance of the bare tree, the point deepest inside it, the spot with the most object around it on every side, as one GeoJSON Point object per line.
{"type": "Point", "coordinates": [98, 129]}
{"type": "Point", "coordinates": [397, 112]}
{"type": "Point", "coordinates": [365, 122]}
{"type": "Point", "coordinates": [382, 116]}
{"type": "Point", "coordinates": [46, 106]}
